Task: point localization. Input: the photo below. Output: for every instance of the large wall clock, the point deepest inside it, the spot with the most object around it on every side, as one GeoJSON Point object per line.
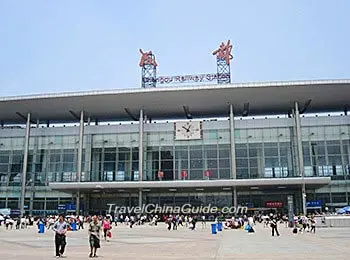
{"type": "Point", "coordinates": [188, 130]}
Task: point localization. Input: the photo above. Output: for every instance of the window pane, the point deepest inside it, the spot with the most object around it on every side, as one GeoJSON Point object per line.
{"type": "Point", "coordinates": [242, 163]}
{"type": "Point", "coordinates": [224, 153]}
{"type": "Point", "coordinates": [241, 153]}
{"type": "Point", "coordinates": [4, 158]}
{"type": "Point", "coordinates": [196, 154]}
{"type": "Point", "coordinates": [270, 151]}
{"type": "Point", "coordinates": [224, 163]}
{"type": "Point", "coordinates": [333, 149]}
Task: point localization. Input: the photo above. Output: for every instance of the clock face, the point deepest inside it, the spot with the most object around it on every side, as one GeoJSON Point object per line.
{"type": "Point", "coordinates": [188, 130]}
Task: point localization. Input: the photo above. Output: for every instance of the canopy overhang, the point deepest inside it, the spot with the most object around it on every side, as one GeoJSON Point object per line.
{"type": "Point", "coordinates": [311, 182]}
{"type": "Point", "coordinates": [168, 103]}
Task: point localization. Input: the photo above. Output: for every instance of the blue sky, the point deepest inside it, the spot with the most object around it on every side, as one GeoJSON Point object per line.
{"type": "Point", "coordinates": [77, 45]}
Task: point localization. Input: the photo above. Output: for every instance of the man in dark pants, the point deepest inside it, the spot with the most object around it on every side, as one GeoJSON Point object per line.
{"type": "Point", "coordinates": [60, 228]}
{"type": "Point", "coordinates": [313, 225]}
{"type": "Point", "coordinates": [274, 227]}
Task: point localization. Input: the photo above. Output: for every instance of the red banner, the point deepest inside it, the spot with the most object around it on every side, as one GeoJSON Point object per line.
{"type": "Point", "coordinates": [160, 174]}
{"type": "Point", "coordinates": [208, 173]}
{"type": "Point", "coordinates": [273, 204]}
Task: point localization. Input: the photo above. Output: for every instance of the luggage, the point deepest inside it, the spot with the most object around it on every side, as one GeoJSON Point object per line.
{"type": "Point", "coordinates": [251, 230]}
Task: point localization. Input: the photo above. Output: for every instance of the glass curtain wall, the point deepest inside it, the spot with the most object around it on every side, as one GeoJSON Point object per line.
{"type": "Point", "coordinates": [260, 153]}
{"type": "Point", "coordinates": [11, 160]}
{"type": "Point", "coordinates": [207, 158]}
{"type": "Point", "coordinates": [265, 153]}
{"type": "Point", "coordinates": [114, 157]}
{"type": "Point", "coordinates": [52, 159]}
{"type": "Point", "coordinates": [326, 151]}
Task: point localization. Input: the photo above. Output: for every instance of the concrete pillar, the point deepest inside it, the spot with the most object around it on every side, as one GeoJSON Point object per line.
{"type": "Point", "coordinates": [25, 165]}
{"type": "Point", "coordinates": [233, 146]}
{"type": "Point", "coordinates": [233, 153]}
{"type": "Point", "coordinates": [80, 157]}
{"type": "Point", "coordinates": [32, 196]}
{"type": "Point", "coordinates": [300, 157]}
{"type": "Point", "coordinates": [235, 203]}
{"type": "Point", "coordinates": [141, 146]}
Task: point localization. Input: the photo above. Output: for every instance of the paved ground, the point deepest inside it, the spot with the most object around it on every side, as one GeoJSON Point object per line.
{"type": "Point", "coordinates": [146, 242]}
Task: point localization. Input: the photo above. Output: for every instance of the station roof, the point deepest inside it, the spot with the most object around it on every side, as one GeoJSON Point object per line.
{"type": "Point", "coordinates": [175, 102]}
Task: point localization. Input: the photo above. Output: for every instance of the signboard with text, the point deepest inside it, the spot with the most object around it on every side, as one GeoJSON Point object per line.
{"type": "Point", "coordinates": [314, 204]}
{"type": "Point", "coordinates": [274, 204]}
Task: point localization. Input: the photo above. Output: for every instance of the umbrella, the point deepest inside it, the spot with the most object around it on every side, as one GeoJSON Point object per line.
{"type": "Point", "coordinates": [347, 208]}
{"type": "Point", "coordinates": [341, 211]}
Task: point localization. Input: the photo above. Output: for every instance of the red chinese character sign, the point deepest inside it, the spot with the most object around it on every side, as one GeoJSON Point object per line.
{"type": "Point", "coordinates": [224, 52]}
{"type": "Point", "coordinates": [147, 58]}
{"type": "Point", "coordinates": [149, 69]}
{"type": "Point", "coordinates": [223, 57]}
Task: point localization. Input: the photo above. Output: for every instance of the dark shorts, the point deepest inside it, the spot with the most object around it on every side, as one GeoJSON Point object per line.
{"type": "Point", "coordinates": [94, 241]}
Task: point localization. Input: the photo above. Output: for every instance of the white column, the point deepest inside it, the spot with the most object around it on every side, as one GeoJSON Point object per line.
{"type": "Point", "coordinates": [25, 165]}
{"type": "Point", "coordinates": [80, 157]}
{"type": "Point", "coordinates": [141, 146]}
{"type": "Point", "coordinates": [233, 153]}
{"type": "Point", "coordinates": [141, 120]}
{"type": "Point", "coordinates": [300, 157]}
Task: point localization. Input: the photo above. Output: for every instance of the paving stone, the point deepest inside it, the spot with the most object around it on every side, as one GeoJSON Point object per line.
{"type": "Point", "coordinates": [150, 242]}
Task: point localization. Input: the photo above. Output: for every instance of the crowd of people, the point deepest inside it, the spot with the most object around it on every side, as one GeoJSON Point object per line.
{"type": "Point", "coordinates": [100, 226]}
{"type": "Point", "coordinates": [17, 222]}
{"type": "Point", "coordinates": [299, 223]}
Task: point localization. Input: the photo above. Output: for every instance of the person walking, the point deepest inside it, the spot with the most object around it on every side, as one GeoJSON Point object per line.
{"type": "Point", "coordinates": [81, 222]}
{"type": "Point", "coordinates": [313, 225]}
{"type": "Point", "coordinates": [60, 229]}
{"type": "Point", "coordinates": [106, 227]}
{"type": "Point", "coordinates": [204, 225]}
{"type": "Point", "coordinates": [193, 222]}
{"type": "Point", "coordinates": [94, 236]}
{"type": "Point", "coordinates": [132, 221]}
{"type": "Point", "coordinates": [274, 226]}
{"type": "Point", "coordinates": [169, 221]}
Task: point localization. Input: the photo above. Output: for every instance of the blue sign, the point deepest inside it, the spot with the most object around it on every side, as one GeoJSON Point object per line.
{"type": "Point", "coordinates": [71, 207]}
{"type": "Point", "coordinates": [314, 204]}
{"type": "Point", "coordinates": [15, 212]}
{"type": "Point", "coordinates": [61, 207]}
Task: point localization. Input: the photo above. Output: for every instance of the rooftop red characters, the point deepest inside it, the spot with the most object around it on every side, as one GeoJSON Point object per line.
{"type": "Point", "coordinates": [147, 58]}
{"type": "Point", "coordinates": [224, 52]}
